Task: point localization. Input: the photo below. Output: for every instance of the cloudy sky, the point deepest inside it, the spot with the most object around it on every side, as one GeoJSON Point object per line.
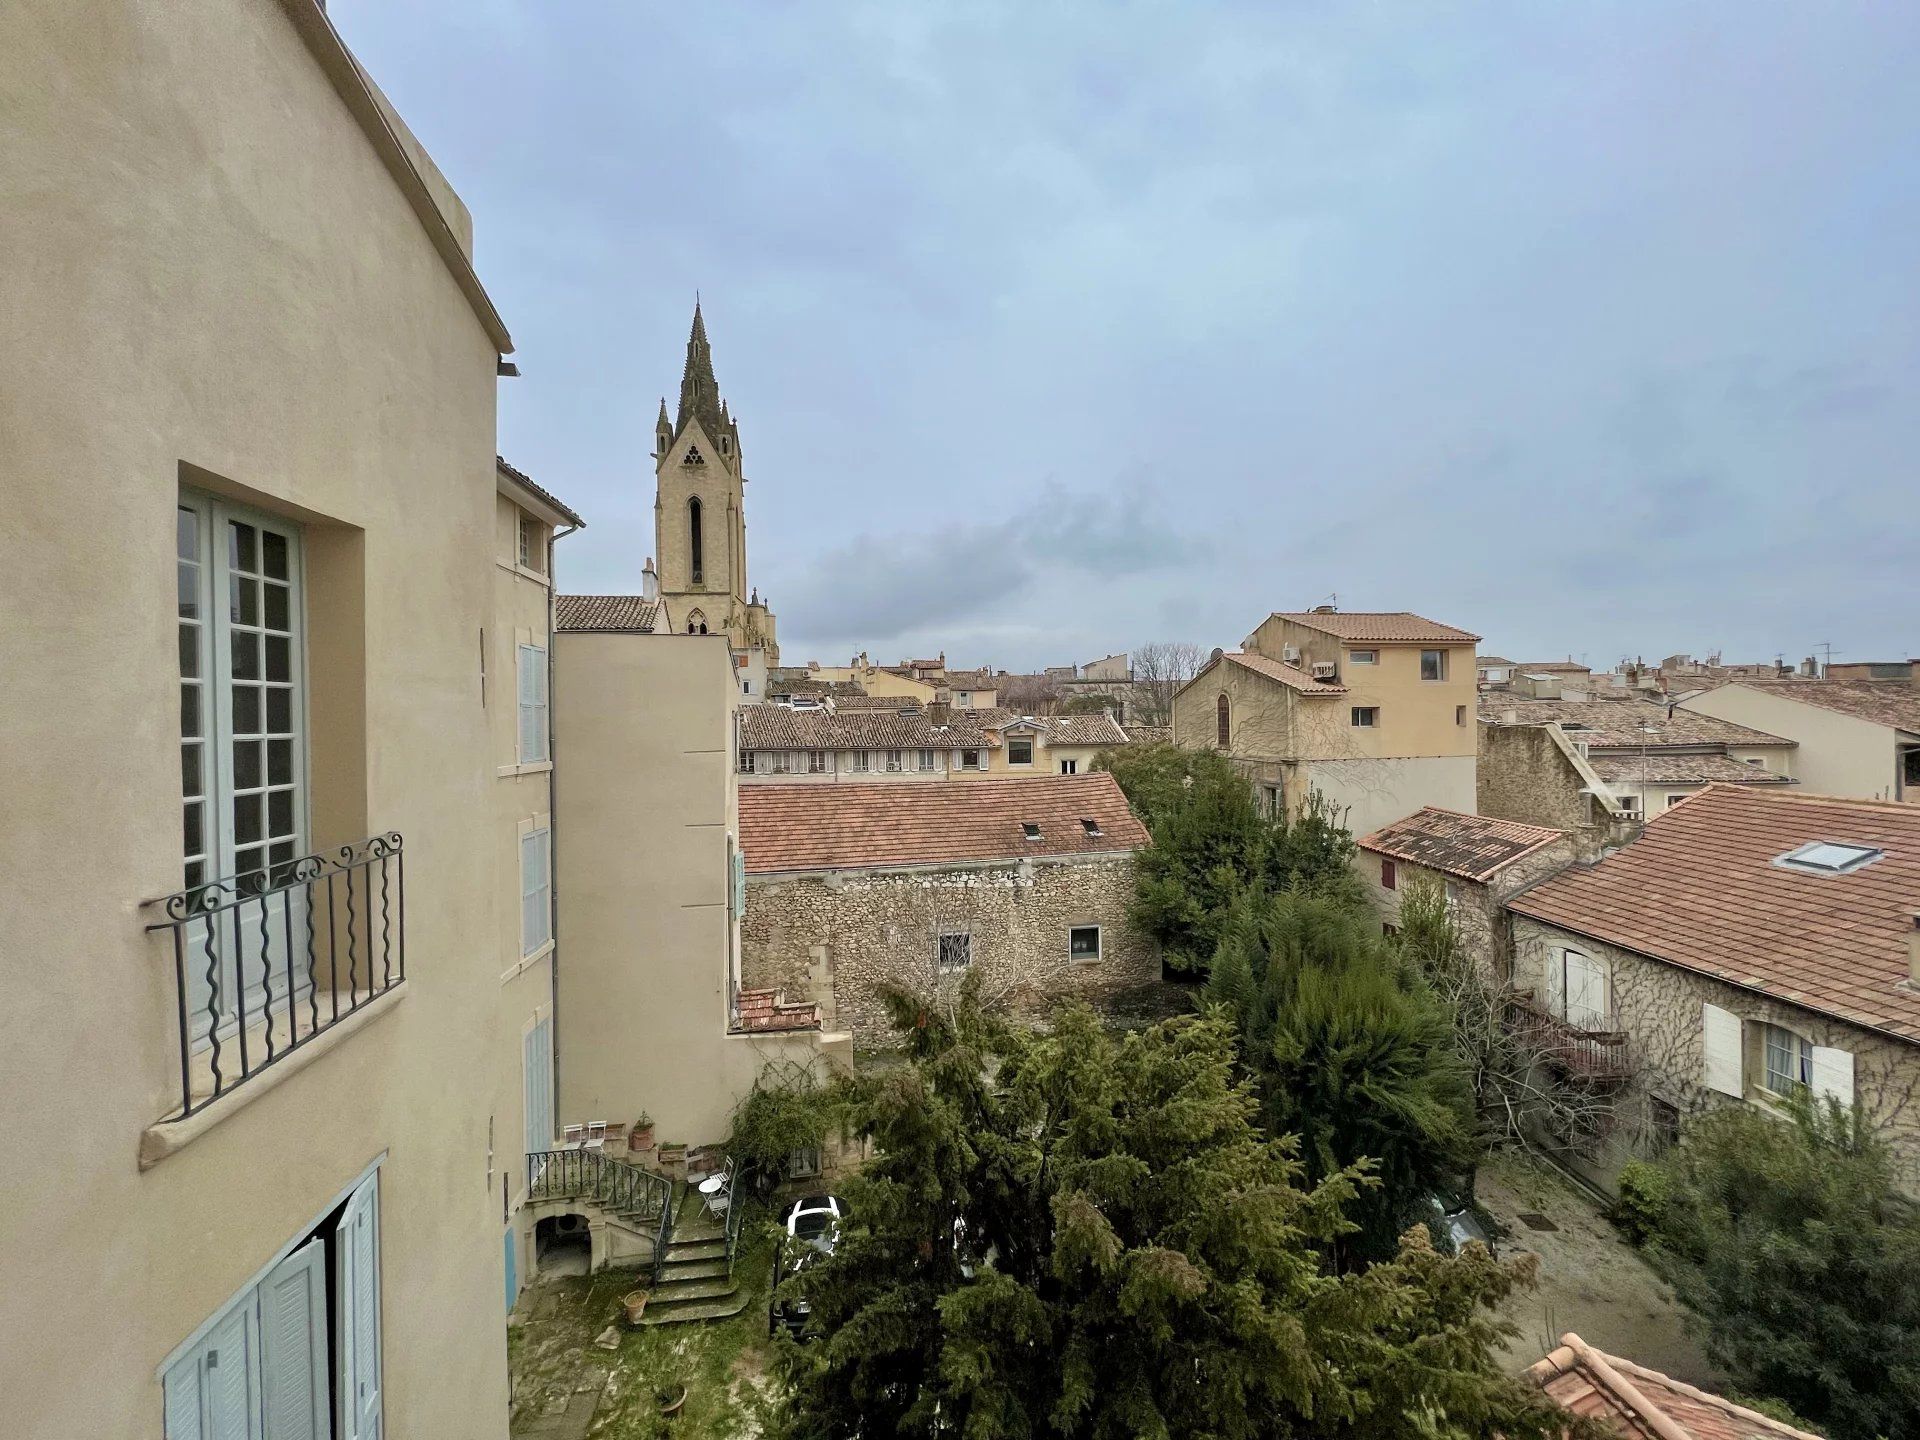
{"type": "Point", "coordinates": [1056, 328]}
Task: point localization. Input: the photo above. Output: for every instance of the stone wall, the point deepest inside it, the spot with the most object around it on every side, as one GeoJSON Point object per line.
{"type": "Point", "coordinates": [835, 938]}
{"type": "Point", "coordinates": [1523, 775]}
{"type": "Point", "coordinates": [1659, 1008]}
{"type": "Point", "coordinates": [1479, 910]}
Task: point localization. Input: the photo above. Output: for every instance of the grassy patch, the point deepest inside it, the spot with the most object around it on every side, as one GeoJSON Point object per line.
{"type": "Point", "coordinates": [723, 1363]}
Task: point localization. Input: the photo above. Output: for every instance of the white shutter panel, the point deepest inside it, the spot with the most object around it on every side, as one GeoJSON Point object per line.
{"type": "Point", "coordinates": [540, 700]}
{"type": "Point", "coordinates": [231, 1378]}
{"type": "Point", "coordinates": [1586, 992]}
{"type": "Point", "coordinates": [1557, 982]}
{"type": "Point", "coordinates": [1833, 1074]}
{"type": "Point", "coordinates": [539, 1087]}
{"type": "Point", "coordinates": [293, 1345]}
{"type": "Point", "coordinates": [1720, 1029]}
{"type": "Point", "coordinates": [357, 1255]}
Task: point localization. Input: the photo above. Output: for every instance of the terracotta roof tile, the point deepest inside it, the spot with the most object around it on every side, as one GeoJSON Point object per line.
{"type": "Point", "coordinates": [1292, 676]}
{"type": "Point", "coordinates": [1149, 734]}
{"type": "Point", "coordinates": [605, 612]}
{"type": "Point", "coordinates": [1666, 767]}
{"type": "Point", "coordinates": [1637, 1402]}
{"type": "Point", "coordinates": [1699, 889]}
{"type": "Point", "coordinates": [1615, 723]}
{"type": "Point", "coordinates": [1100, 729]}
{"type": "Point", "coordinates": [777, 727]}
{"type": "Point", "coordinates": [1472, 847]}
{"type": "Point", "coordinates": [852, 826]}
{"type": "Point", "coordinates": [1885, 702]}
{"type": "Point", "coordinates": [1386, 626]}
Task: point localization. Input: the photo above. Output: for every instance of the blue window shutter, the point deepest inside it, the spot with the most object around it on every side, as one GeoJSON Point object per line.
{"type": "Point", "coordinates": [739, 882]}
{"type": "Point", "coordinates": [293, 1345]}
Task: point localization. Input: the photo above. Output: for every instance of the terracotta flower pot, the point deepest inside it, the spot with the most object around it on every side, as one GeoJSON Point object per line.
{"type": "Point", "coordinates": [636, 1303]}
{"type": "Point", "coordinates": [671, 1399]}
{"type": "Point", "coordinates": [640, 1139]}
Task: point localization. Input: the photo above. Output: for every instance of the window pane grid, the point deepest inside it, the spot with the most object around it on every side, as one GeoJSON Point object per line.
{"type": "Point", "coordinates": [195, 835]}
{"type": "Point", "coordinates": [1789, 1060]}
{"type": "Point", "coordinates": [260, 655]}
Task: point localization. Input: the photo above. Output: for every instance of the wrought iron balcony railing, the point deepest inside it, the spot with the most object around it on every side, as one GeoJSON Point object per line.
{"type": "Point", "coordinates": [266, 961]}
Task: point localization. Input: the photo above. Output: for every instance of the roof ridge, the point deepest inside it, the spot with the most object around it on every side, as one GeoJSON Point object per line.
{"type": "Point", "coordinates": [1775, 794]}
{"type": "Point", "coordinates": [1694, 1392]}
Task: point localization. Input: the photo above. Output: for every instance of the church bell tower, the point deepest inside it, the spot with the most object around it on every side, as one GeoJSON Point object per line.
{"type": "Point", "coordinates": [699, 512]}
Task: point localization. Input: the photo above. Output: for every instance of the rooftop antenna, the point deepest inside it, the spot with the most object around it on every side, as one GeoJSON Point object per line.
{"type": "Point", "coordinates": [1825, 646]}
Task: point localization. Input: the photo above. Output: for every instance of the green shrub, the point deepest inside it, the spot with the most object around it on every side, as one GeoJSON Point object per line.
{"type": "Point", "coordinates": [1645, 1203]}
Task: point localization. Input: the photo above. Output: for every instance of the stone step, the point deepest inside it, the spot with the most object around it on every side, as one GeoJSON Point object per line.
{"type": "Point", "coordinates": [718, 1309]}
{"type": "Point", "coordinates": [673, 1270]}
{"type": "Point", "coordinates": [696, 1232]}
{"type": "Point", "coordinates": [683, 1250]}
{"type": "Point", "coordinates": [675, 1292]}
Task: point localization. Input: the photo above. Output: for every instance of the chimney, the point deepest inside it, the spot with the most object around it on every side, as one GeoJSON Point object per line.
{"type": "Point", "coordinates": [649, 582]}
{"type": "Point", "coordinates": [937, 713]}
{"type": "Point", "coordinates": [1913, 948]}
{"type": "Point", "coordinates": [1510, 716]}
{"type": "Point", "coordinates": [1217, 652]}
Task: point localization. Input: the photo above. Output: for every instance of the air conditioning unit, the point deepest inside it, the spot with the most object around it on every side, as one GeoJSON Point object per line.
{"type": "Point", "coordinates": [1325, 670]}
{"type": "Point", "coordinates": [1290, 654]}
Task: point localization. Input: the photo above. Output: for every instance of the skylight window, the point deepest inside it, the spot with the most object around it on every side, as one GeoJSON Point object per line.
{"type": "Point", "coordinates": [1828, 857]}
{"type": "Point", "coordinates": [1092, 827]}
{"type": "Point", "coordinates": [1030, 829]}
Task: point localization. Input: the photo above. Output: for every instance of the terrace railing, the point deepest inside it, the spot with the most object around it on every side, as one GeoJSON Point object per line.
{"type": "Point", "coordinates": [265, 962]}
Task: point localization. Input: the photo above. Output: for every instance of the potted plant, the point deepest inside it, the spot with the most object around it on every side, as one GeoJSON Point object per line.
{"type": "Point", "coordinates": [671, 1397]}
{"type": "Point", "coordinates": [673, 1158]}
{"type": "Point", "coordinates": [640, 1137]}
{"type": "Point", "coordinates": [635, 1302]}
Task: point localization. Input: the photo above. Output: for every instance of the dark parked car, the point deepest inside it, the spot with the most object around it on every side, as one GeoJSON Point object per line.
{"type": "Point", "coordinates": [809, 1228]}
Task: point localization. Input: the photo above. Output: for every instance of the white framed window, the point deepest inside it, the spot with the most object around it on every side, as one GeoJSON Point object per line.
{"type": "Point", "coordinates": [1433, 664]}
{"type": "Point", "coordinates": [973, 760]}
{"type": "Point", "coordinates": [530, 546]}
{"type": "Point", "coordinates": [242, 689]}
{"type": "Point", "coordinates": [1019, 750]}
{"type": "Point", "coordinates": [1083, 942]}
{"type": "Point", "coordinates": [860, 761]}
{"type": "Point", "coordinates": [782, 762]}
{"type": "Point", "coordinates": [953, 950]}
{"type": "Point", "coordinates": [1788, 1059]}
{"type": "Point", "coordinates": [816, 762]}
{"type": "Point", "coordinates": [1366, 717]}
{"type": "Point", "coordinates": [1069, 767]}
{"type": "Point", "coordinates": [533, 705]}
{"type": "Point", "coordinates": [926, 762]}
{"type": "Point", "coordinates": [894, 762]}
{"type": "Point", "coordinates": [1577, 989]}
{"type": "Point", "coordinates": [748, 762]}
{"type": "Point", "coordinates": [536, 890]}
{"type": "Point", "coordinates": [1363, 657]}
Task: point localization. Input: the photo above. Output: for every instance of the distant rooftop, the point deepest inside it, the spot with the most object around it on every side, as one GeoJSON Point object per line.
{"type": "Point", "coordinates": [1883, 702]}
{"type": "Point", "coordinates": [1473, 847]}
{"type": "Point", "coordinates": [605, 612]}
{"type": "Point", "coordinates": [1386, 626]}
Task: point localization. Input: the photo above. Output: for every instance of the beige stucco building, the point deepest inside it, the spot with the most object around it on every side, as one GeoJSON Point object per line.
{"type": "Point", "coordinates": [1854, 737]}
{"type": "Point", "coordinates": [651, 883]}
{"type": "Point", "coordinates": [252, 504]}
{"type": "Point", "coordinates": [1373, 711]}
{"type": "Point", "coordinates": [1024, 885]}
{"type": "Point", "coordinates": [1753, 942]}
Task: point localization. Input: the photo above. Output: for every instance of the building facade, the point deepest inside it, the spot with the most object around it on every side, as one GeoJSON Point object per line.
{"type": "Point", "coordinates": [1371, 711]}
{"type": "Point", "coordinates": [1859, 738]}
{"type": "Point", "coordinates": [829, 740]}
{"type": "Point", "coordinates": [1753, 943]}
{"type": "Point", "coordinates": [1023, 884]}
{"type": "Point", "coordinates": [254, 445]}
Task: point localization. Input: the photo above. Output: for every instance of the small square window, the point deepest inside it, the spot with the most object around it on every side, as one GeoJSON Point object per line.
{"type": "Point", "coordinates": [1083, 942]}
{"type": "Point", "coordinates": [1433, 664]}
{"type": "Point", "coordinates": [1363, 657]}
{"type": "Point", "coordinates": [1019, 751]}
{"type": "Point", "coordinates": [1366, 717]}
{"type": "Point", "coordinates": [970, 760]}
{"type": "Point", "coordinates": [953, 951]}
{"type": "Point", "coordinates": [1030, 829]}
{"type": "Point", "coordinates": [1069, 767]}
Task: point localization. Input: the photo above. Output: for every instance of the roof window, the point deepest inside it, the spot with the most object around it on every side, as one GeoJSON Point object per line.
{"type": "Point", "coordinates": [1031, 829]}
{"type": "Point", "coordinates": [1092, 827]}
{"type": "Point", "coordinates": [1828, 857]}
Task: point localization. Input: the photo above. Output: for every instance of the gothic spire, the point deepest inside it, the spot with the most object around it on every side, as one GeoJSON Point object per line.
{"type": "Point", "coordinates": [699, 391]}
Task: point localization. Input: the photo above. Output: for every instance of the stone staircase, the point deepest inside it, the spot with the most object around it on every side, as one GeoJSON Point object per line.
{"type": "Point", "coordinates": [695, 1282]}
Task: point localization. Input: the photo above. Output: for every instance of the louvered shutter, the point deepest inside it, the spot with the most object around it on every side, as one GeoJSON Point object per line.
{"type": "Point", "coordinates": [293, 1345]}
{"type": "Point", "coordinates": [1557, 983]}
{"type": "Point", "coordinates": [1833, 1074]}
{"type": "Point", "coordinates": [357, 1258]}
{"type": "Point", "coordinates": [1720, 1032]}
{"type": "Point", "coordinates": [1586, 983]}
{"type": "Point", "coordinates": [183, 1401]}
{"type": "Point", "coordinates": [539, 1087]}
{"type": "Point", "coordinates": [739, 882]}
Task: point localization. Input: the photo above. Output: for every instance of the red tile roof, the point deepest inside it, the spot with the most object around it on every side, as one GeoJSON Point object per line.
{"type": "Point", "coordinates": [1699, 889]}
{"type": "Point", "coordinates": [780, 727]}
{"type": "Point", "coordinates": [1100, 729]}
{"type": "Point", "coordinates": [1665, 767]}
{"type": "Point", "coordinates": [768, 1012]}
{"type": "Point", "coordinates": [605, 612]}
{"type": "Point", "coordinates": [1473, 847]}
{"type": "Point", "coordinates": [1386, 626]}
{"type": "Point", "coordinates": [1292, 676]}
{"type": "Point", "coordinates": [883, 823]}
{"type": "Point", "coordinates": [1644, 1404]}
{"type": "Point", "coordinates": [1884, 702]}
{"type": "Point", "coordinates": [1616, 723]}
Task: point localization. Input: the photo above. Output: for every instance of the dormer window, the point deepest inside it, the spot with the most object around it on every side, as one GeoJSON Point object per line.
{"type": "Point", "coordinates": [1828, 857]}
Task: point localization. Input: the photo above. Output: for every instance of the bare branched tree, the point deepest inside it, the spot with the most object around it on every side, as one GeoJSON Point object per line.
{"type": "Point", "coordinates": [1159, 669]}
{"type": "Point", "coordinates": [1537, 1081]}
{"type": "Point", "coordinates": [1030, 694]}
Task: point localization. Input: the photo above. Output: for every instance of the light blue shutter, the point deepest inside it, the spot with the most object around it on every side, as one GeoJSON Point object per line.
{"type": "Point", "coordinates": [739, 882]}
{"type": "Point", "coordinates": [357, 1263]}
{"type": "Point", "coordinates": [213, 1393]}
{"type": "Point", "coordinates": [539, 1087]}
{"type": "Point", "coordinates": [293, 1345]}
{"type": "Point", "coordinates": [513, 1270]}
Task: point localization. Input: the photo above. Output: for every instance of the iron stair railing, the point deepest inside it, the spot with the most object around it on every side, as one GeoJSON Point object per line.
{"type": "Point", "coordinates": [734, 1206]}
{"type": "Point", "coordinates": [638, 1196]}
